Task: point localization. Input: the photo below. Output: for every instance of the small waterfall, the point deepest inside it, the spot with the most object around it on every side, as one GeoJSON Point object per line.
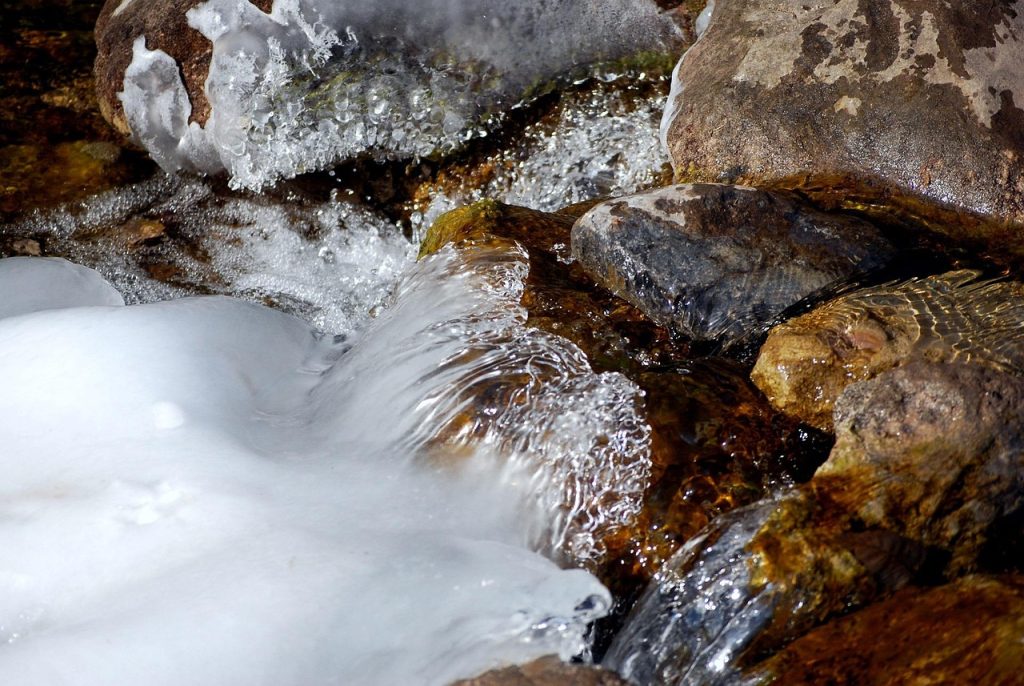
{"type": "Point", "coordinates": [208, 491]}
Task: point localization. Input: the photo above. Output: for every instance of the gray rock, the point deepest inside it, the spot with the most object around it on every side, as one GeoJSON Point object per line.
{"type": "Point", "coordinates": [713, 261]}
{"type": "Point", "coordinates": [886, 105]}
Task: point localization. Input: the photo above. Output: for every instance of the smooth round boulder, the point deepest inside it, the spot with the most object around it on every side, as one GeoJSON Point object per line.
{"type": "Point", "coordinates": [901, 108]}
{"type": "Point", "coordinates": [967, 632]}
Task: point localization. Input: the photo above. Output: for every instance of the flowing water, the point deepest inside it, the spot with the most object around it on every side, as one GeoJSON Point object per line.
{"type": "Point", "coordinates": [209, 491]}
{"type": "Point", "coordinates": [383, 477]}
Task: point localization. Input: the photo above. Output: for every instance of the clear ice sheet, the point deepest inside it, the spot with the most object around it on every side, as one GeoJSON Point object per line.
{"type": "Point", "coordinates": [314, 83]}
{"type": "Point", "coordinates": [208, 491]}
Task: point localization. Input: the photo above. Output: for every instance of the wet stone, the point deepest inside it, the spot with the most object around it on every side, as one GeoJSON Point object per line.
{"type": "Point", "coordinates": [715, 261]}
{"type": "Point", "coordinates": [547, 671]}
{"type": "Point", "coordinates": [716, 445]}
{"type": "Point", "coordinates": [967, 632]}
{"type": "Point", "coordinates": [928, 459]}
{"type": "Point", "coordinates": [842, 100]}
{"type": "Point", "coordinates": [559, 297]}
{"type": "Point", "coordinates": [807, 361]}
{"type": "Point", "coordinates": [934, 452]}
{"type": "Point", "coordinates": [755, 579]}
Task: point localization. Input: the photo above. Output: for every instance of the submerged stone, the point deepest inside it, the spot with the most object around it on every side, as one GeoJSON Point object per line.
{"type": "Point", "coordinates": [843, 101]}
{"type": "Point", "coordinates": [715, 261]}
{"type": "Point", "coordinates": [716, 445]}
{"type": "Point", "coordinates": [928, 456]}
{"type": "Point", "coordinates": [54, 145]}
{"type": "Point", "coordinates": [807, 361]}
{"type": "Point", "coordinates": [967, 632]}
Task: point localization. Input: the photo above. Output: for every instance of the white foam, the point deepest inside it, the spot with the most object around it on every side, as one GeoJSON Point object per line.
{"type": "Point", "coordinates": [35, 284]}
{"type": "Point", "coordinates": [604, 142]}
{"type": "Point", "coordinates": [329, 262]}
{"type": "Point", "coordinates": [206, 491]}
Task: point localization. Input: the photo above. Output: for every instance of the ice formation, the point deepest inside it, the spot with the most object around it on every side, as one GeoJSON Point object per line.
{"type": "Point", "coordinates": [313, 83]}
{"type": "Point", "coordinates": [207, 491]}
{"type": "Point", "coordinates": [604, 142]}
{"type": "Point", "coordinates": [328, 262]}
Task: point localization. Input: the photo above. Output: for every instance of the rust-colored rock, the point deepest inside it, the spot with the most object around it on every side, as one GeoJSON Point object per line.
{"type": "Point", "coordinates": [807, 362]}
{"type": "Point", "coordinates": [166, 28]}
{"type": "Point", "coordinates": [902, 108]}
{"type": "Point", "coordinates": [968, 632]}
{"type": "Point", "coordinates": [933, 452]}
{"type": "Point", "coordinates": [547, 671]}
{"type": "Point", "coordinates": [927, 456]}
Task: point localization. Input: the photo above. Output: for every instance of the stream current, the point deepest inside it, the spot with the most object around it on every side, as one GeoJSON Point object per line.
{"type": "Point", "coordinates": [209, 491]}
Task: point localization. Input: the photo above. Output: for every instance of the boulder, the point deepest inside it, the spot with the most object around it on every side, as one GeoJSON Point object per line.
{"type": "Point", "coordinates": [165, 27]}
{"type": "Point", "coordinates": [715, 261]}
{"type": "Point", "coordinates": [967, 632]}
{"type": "Point", "coordinates": [933, 452]}
{"type": "Point", "coordinates": [807, 361]}
{"type": "Point", "coordinates": [908, 109]}
{"type": "Point", "coordinates": [927, 457]}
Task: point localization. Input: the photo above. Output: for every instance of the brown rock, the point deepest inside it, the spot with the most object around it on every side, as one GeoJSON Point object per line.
{"type": "Point", "coordinates": [933, 452]}
{"type": "Point", "coordinates": [165, 27]}
{"type": "Point", "coordinates": [807, 362]}
{"type": "Point", "coordinates": [715, 261]}
{"type": "Point", "coordinates": [547, 671]}
{"type": "Point", "coordinates": [845, 100]}
{"type": "Point", "coordinates": [926, 456]}
{"type": "Point", "coordinates": [968, 632]}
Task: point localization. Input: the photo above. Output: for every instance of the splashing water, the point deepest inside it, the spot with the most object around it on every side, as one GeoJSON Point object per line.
{"type": "Point", "coordinates": [314, 83]}
{"type": "Point", "coordinates": [329, 263]}
{"type": "Point", "coordinates": [207, 491]}
{"type": "Point", "coordinates": [604, 142]}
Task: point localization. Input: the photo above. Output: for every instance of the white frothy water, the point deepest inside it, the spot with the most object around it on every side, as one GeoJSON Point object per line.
{"type": "Point", "coordinates": [314, 83]}
{"type": "Point", "coordinates": [206, 491]}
